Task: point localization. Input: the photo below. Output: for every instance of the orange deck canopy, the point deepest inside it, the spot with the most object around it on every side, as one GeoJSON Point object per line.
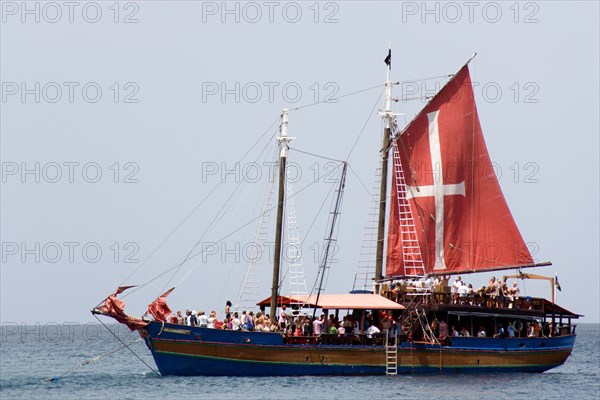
{"type": "Point", "coordinates": [361, 301]}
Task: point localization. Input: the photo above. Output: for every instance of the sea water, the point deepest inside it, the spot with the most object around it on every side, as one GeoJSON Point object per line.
{"type": "Point", "coordinates": [29, 355]}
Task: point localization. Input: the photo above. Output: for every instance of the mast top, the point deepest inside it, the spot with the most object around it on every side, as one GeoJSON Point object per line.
{"type": "Point", "coordinates": [387, 113]}
{"type": "Point", "coordinates": [283, 137]}
{"type": "Point", "coordinates": [388, 62]}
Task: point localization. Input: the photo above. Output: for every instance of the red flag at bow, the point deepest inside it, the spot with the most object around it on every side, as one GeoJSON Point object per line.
{"type": "Point", "coordinates": [159, 308]}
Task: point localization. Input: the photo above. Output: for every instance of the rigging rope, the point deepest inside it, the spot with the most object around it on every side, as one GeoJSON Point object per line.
{"type": "Point", "coordinates": [335, 98]}
{"type": "Point", "coordinates": [364, 125]}
{"type": "Point", "coordinates": [275, 156]}
{"type": "Point", "coordinates": [367, 89]}
{"type": "Point", "coordinates": [220, 214]}
{"type": "Point", "coordinates": [345, 163]}
{"type": "Point", "coordinates": [125, 344]}
{"type": "Point", "coordinates": [193, 210]}
{"type": "Point", "coordinates": [200, 252]}
{"type": "Point", "coordinates": [424, 79]}
{"type": "Point", "coordinates": [361, 183]}
{"type": "Point", "coordinates": [92, 360]}
{"type": "Point", "coordinates": [316, 155]}
{"type": "Point", "coordinates": [237, 230]}
{"type": "Point", "coordinates": [188, 257]}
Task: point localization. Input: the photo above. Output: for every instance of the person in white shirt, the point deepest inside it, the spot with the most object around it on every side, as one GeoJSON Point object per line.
{"type": "Point", "coordinates": [202, 319]}
{"type": "Point", "coordinates": [428, 282]}
{"type": "Point", "coordinates": [283, 318]}
{"type": "Point", "coordinates": [235, 322]}
{"type": "Point", "coordinates": [212, 318]}
{"type": "Point", "coordinates": [457, 284]}
{"type": "Point", "coordinates": [463, 291]}
{"type": "Point", "coordinates": [372, 330]}
{"type": "Point", "coordinates": [481, 332]}
{"type": "Point", "coordinates": [318, 325]}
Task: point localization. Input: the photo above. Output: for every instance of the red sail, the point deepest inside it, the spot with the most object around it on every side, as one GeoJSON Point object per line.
{"type": "Point", "coordinates": [462, 220]}
{"type": "Point", "coordinates": [159, 308]}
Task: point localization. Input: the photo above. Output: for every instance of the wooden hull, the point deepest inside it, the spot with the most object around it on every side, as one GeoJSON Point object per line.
{"type": "Point", "coordinates": [264, 354]}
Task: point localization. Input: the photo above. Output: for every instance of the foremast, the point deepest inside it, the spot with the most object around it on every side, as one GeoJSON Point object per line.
{"type": "Point", "coordinates": [283, 140]}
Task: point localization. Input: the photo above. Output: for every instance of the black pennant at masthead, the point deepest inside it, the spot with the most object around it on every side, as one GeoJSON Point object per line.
{"type": "Point", "coordinates": [388, 59]}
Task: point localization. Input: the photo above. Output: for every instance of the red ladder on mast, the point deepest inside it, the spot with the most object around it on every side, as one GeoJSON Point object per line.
{"type": "Point", "coordinates": [411, 251]}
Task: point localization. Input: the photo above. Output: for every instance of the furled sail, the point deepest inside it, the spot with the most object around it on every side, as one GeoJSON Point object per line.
{"type": "Point", "coordinates": [159, 308]}
{"type": "Point", "coordinates": [114, 307]}
{"type": "Point", "coordinates": [460, 215]}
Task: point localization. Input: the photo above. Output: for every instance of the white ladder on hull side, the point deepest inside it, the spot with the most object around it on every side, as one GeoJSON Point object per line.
{"type": "Point", "coordinates": [391, 353]}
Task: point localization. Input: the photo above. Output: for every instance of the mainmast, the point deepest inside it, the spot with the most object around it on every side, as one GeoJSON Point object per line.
{"type": "Point", "coordinates": [387, 116]}
{"type": "Point", "coordinates": [283, 153]}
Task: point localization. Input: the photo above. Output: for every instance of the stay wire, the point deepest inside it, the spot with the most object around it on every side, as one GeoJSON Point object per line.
{"type": "Point", "coordinates": [233, 232]}
{"type": "Point", "coordinates": [194, 209]}
{"type": "Point", "coordinates": [335, 98]}
{"type": "Point", "coordinates": [371, 114]}
{"type": "Point", "coordinates": [200, 252]}
{"type": "Point", "coordinates": [361, 182]}
{"type": "Point", "coordinates": [316, 155]}
{"type": "Point", "coordinates": [331, 189]}
{"type": "Point", "coordinates": [91, 360]}
{"type": "Point", "coordinates": [125, 344]}
{"type": "Point", "coordinates": [346, 161]}
{"type": "Point", "coordinates": [217, 218]}
{"type": "Point", "coordinates": [364, 126]}
{"type": "Point", "coordinates": [353, 146]}
{"type": "Point", "coordinates": [180, 264]}
{"type": "Point", "coordinates": [367, 89]}
{"type": "Point", "coordinates": [245, 235]}
{"type": "Point", "coordinates": [250, 149]}
{"type": "Point", "coordinates": [242, 187]}
{"type": "Point", "coordinates": [333, 185]}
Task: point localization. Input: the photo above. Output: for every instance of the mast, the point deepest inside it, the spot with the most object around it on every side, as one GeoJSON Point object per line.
{"type": "Point", "coordinates": [283, 144]}
{"type": "Point", "coordinates": [387, 115]}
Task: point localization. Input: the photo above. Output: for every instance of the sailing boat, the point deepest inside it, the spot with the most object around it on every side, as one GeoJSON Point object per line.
{"type": "Point", "coordinates": [447, 216]}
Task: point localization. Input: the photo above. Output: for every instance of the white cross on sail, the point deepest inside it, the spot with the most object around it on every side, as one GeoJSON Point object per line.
{"type": "Point", "coordinates": [438, 190]}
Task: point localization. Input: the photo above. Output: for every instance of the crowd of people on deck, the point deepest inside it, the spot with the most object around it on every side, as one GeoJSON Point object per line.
{"type": "Point", "coordinates": [496, 294]}
{"type": "Point", "coordinates": [292, 324]}
{"type": "Point", "coordinates": [532, 329]}
{"type": "Point", "coordinates": [373, 324]}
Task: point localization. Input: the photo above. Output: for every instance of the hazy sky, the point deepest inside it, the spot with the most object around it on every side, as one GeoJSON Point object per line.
{"type": "Point", "coordinates": [118, 119]}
